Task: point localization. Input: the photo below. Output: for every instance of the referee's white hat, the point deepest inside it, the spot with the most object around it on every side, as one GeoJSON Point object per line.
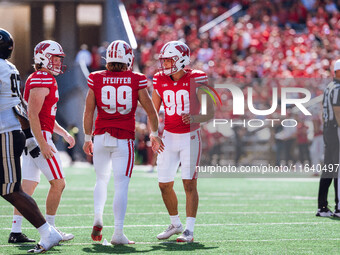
{"type": "Point", "coordinates": [337, 65]}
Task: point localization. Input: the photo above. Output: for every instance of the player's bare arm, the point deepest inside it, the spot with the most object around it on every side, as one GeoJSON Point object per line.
{"type": "Point", "coordinates": [62, 132]}
{"type": "Point", "coordinates": [90, 105]}
{"type": "Point", "coordinates": [35, 103]}
{"type": "Point", "coordinates": [188, 119]}
{"type": "Point", "coordinates": [156, 100]}
{"type": "Point", "coordinates": [145, 100]}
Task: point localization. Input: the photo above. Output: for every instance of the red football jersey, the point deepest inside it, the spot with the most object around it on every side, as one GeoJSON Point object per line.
{"type": "Point", "coordinates": [179, 97]}
{"type": "Point", "coordinates": [116, 100]}
{"type": "Point", "coordinates": [48, 111]}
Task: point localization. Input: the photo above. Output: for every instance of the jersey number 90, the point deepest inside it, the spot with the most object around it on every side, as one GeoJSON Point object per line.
{"type": "Point", "coordinates": [176, 102]}
{"type": "Point", "coordinates": [112, 96]}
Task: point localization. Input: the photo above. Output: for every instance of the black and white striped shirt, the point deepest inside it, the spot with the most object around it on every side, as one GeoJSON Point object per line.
{"type": "Point", "coordinates": [9, 96]}
{"type": "Point", "coordinates": [331, 97]}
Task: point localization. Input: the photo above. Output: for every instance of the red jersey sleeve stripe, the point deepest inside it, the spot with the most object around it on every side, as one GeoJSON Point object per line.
{"type": "Point", "coordinates": [202, 81]}
{"type": "Point", "coordinates": [201, 78]}
{"type": "Point", "coordinates": [90, 82]}
{"type": "Point", "coordinates": [39, 82]}
{"type": "Point", "coordinates": [41, 79]}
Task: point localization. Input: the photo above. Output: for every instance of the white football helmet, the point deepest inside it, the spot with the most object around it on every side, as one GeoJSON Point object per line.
{"type": "Point", "coordinates": [44, 52]}
{"type": "Point", "coordinates": [179, 52]}
{"type": "Point", "coordinates": [120, 52]}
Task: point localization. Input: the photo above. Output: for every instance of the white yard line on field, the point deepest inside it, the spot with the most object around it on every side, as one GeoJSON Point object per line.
{"type": "Point", "coordinates": [206, 242]}
{"type": "Point", "coordinates": [205, 197]}
{"type": "Point", "coordinates": [199, 225]}
{"type": "Point", "coordinates": [165, 213]}
{"type": "Point", "coordinates": [162, 205]}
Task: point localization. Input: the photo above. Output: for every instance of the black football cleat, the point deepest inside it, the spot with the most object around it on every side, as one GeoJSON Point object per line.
{"type": "Point", "coordinates": [19, 238]}
{"type": "Point", "coordinates": [324, 212]}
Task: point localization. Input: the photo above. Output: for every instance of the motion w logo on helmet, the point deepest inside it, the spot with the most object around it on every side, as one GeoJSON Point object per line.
{"type": "Point", "coordinates": [41, 47]}
{"type": "Point", "coordinates": [128, 50]}
{"type": "Point", "coordinates": [184, 50]}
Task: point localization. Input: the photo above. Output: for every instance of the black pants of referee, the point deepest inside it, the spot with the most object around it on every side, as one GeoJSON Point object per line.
{"type": "Point", "coordinates": [330, 172]}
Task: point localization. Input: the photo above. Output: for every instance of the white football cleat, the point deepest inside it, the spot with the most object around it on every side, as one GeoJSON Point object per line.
{"type": "Point", "coordinates": [47, 243]}
{"type": "Point", "coordinates": [37, 249]}
{"type": "Point", "coordinates": [120, 239]}
{"type": "Point", "coordinates": [187, 237]}
{"type": "Point", "coordinates": [171, 230]}
{"type": "Point", "coordinates": [65, 236]}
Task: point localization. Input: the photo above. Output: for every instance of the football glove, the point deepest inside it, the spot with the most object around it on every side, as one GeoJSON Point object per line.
{"type": "Point", "coordinates": [32, 147]}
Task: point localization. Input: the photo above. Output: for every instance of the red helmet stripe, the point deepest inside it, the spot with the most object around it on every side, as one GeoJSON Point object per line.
{"type": "Point", "coordinates": [111, 51]}
{"type": "Point", "coordinates": [116, 49]}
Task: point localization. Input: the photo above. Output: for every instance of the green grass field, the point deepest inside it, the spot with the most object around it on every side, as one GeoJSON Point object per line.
{"type": "Point", "coordinates": [236, 216]}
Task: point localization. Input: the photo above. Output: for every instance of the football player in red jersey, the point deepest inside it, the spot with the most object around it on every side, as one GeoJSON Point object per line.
{"type": "Point", "coordinates": [13, 119]}
{"type": "Point", "coordinates": [115, 93]}
{"type": "Point", "coordinates": [41, 93]}
{"type": "Point", "coordinates": [178, 89]}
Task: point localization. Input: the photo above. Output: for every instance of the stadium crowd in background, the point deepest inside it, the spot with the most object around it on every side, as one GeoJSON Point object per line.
{"type": "Point", "coordinates": [286, 39]}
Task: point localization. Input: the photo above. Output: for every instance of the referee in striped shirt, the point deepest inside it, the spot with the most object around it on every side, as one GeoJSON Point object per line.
{"type": "Point", "coordinates": [331, 136]}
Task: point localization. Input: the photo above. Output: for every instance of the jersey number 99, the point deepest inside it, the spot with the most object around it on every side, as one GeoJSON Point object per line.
{"type": "Point", "coordinates": [112, 96]}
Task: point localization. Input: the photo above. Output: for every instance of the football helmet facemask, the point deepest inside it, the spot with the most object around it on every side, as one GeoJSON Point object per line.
{"type": "Point", "coordinates": [178, 52]}
{"type": "Point", "coordinates": [44, 53]}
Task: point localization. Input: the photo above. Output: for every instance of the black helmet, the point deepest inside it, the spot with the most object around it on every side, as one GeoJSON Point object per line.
{"type": "Point", "coordinates": [6, 44]}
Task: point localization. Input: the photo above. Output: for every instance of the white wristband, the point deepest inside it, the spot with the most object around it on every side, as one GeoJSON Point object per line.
{"type": "Point", "coordinates": [154, 133]}
{"type": "Point", "coordinates": [88, 138]}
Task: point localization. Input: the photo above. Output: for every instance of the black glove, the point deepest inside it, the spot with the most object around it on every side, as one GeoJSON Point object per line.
{"type": "Point", "coordinates": [32, 147]}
